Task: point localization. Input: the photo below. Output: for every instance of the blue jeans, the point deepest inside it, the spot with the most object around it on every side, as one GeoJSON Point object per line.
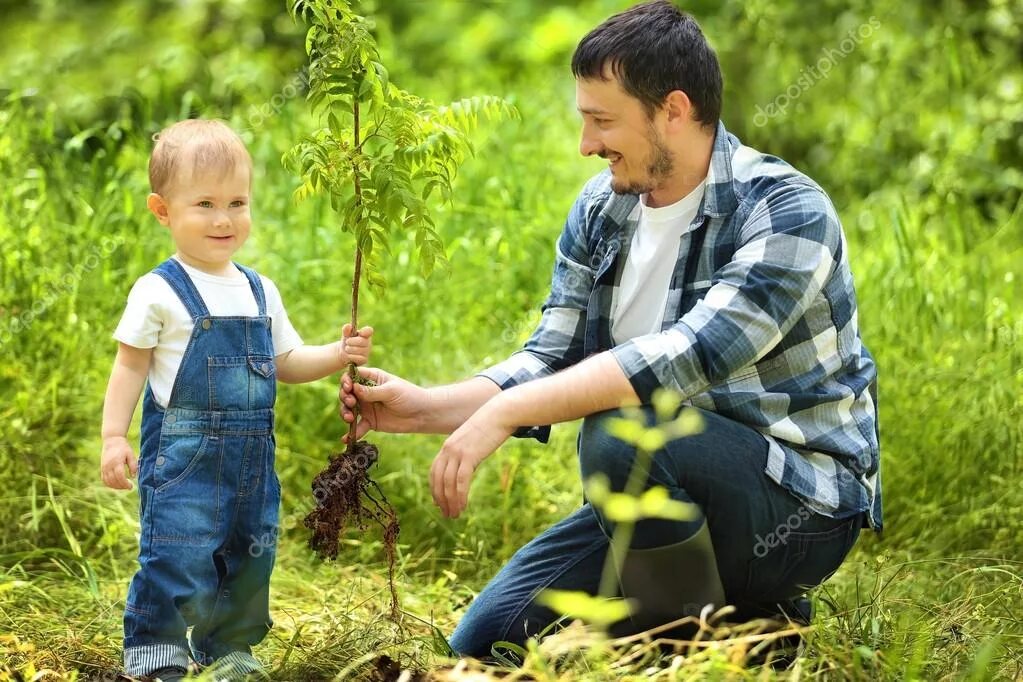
{"type": "Point", "coordinates": [768, 545]}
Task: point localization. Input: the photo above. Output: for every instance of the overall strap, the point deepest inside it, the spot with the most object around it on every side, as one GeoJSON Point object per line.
{"type": "Point", "coordinates": [257, 288]}
{"type": "Point", "coordinates": [182, 285]}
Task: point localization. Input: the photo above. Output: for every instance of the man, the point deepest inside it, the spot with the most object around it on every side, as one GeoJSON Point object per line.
{"type": "Point", "coordinates": [694, 264]}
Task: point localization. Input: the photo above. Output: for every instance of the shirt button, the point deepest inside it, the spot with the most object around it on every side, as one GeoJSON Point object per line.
{"type": "Point", "coordinates": [266, 368]}
{"type": "Point", "coordinates": [159, 460]}
{"type": "Point", "coordinates": [206, 324]}
{"type": "Point", "coordinates": [171, 418]}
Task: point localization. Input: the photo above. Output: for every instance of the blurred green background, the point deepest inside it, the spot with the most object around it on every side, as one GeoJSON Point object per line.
{"type": "Point", "coordinates": [915, 129]}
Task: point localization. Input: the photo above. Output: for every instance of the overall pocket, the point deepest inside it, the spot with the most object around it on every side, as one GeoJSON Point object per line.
{"type": "Point", "coordinates": [184, 507]}
{"type": "Point", "coordinates": [242, 382]}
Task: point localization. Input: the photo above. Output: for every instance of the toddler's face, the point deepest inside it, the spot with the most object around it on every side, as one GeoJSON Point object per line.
{"type": "Point", "coordinates": [208, 217]}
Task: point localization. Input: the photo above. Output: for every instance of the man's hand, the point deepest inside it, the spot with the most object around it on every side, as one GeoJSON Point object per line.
{"type": "Point", "coordinates": [117, 455]}
{"type": "Point", "coordinates": [392, 406]}
{"type": "Point", "coordinates": [463, 451]}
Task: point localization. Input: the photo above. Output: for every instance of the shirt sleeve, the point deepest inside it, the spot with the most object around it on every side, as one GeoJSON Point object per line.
{"type": "Point", "coordinates": [787, 249]}
{"type": "Point", "coordinates": [142, 319]}
{"type": "Point", "coordinates": [285, 337]}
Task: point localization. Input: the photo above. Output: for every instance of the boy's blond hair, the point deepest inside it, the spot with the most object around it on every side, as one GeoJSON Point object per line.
{"type": "Point", "coordinates": [209, 144]}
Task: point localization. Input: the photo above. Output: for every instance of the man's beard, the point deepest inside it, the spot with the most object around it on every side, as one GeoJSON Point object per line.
{"type": "Point", "coordinates": [660, 166]}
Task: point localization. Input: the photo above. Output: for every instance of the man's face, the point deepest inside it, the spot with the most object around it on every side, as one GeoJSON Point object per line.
{"type": "Point", "coordinates": [616, 127]}
{"type": "Point", "coordinates": [208, 216]}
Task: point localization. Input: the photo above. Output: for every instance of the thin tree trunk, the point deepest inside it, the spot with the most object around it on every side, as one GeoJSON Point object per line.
{"type": "Point", "coordinates": [355, 277]}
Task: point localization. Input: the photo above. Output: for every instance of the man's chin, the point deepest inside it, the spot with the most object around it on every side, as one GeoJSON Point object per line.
{"type": "Point", "coordinates": [626, 187]}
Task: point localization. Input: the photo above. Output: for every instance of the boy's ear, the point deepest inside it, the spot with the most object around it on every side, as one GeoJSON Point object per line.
{"type": "Point", "coordinates": [158, 206]}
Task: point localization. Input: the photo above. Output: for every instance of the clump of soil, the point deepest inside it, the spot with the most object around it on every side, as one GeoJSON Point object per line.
{"type": "Point", "coordinates": [346, 497]}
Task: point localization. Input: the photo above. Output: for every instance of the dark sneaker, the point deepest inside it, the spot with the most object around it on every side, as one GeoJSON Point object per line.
{"type": "Point", "coordinates": [170, 673]}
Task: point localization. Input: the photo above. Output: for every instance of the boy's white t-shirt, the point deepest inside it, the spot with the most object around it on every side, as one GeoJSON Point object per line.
{"type": "Point", "coordinates": [637, 306]}
{"type": "Point", "coordinates": [154, 317]}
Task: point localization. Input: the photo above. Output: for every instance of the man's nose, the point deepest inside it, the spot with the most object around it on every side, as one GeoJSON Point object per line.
{"type": "Point", "coordinates": [588, 143]}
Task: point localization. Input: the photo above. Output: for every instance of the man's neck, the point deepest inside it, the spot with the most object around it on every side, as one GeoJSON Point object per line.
{"type": "Point", "coordinates": [692, 163]}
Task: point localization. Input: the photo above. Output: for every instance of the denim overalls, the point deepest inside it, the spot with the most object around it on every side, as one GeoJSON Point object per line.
{"type": "Point", "coordinates": [209, 495]}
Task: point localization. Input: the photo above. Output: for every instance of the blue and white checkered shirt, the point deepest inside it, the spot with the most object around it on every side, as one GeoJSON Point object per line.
{"type": "Point", "coordinates": [760, 324]}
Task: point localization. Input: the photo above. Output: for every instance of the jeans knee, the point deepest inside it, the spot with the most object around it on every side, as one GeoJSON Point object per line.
{"type": "Point", "coordinates": [602, 453]}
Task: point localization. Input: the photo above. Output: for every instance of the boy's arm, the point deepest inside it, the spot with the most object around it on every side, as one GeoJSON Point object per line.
{"type": "Point", "coordinates": [126, 381]}
{"type": "Point", "coordinates": [308, 363]}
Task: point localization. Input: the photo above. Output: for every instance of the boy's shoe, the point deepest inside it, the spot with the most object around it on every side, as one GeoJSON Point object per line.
{"type": "Point", "coordinates": [170, 673]}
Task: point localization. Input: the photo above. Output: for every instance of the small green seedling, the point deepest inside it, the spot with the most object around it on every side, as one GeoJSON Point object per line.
{"type": "Point", "coordinates": [378, 160]}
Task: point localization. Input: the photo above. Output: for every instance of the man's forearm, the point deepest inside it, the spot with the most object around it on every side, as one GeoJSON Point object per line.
{"type": "Point", "coordinates": [452, 404]}
{"type": "Point", "coordinates": [593, 385]}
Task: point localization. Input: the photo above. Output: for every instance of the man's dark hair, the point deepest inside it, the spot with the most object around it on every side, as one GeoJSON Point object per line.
{"type": "Point", "coordinates": [652, 49]}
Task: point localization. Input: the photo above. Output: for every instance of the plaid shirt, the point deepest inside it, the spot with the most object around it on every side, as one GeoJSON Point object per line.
{"type": "Point", "coordinates": [760, 323]}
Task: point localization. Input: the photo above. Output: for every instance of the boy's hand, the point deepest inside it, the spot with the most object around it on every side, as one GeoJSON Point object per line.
{"type": "Point", "coordinates": [117, 455]}
{"type": "Point", "coordinates": [356, 348]}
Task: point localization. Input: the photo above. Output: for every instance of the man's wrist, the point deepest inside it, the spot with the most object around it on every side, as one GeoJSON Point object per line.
{"type": "Point", "coordinates": [501, 409]}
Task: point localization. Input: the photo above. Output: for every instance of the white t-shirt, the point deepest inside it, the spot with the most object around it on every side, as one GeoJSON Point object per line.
{"type": "Point", "coordinates": [637, 306]}
{"type": "Point", "coordinates": [155, 317]}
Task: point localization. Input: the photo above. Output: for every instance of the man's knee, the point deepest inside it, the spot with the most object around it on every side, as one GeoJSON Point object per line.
{"type": "Point", "coordinates": [602, 453]}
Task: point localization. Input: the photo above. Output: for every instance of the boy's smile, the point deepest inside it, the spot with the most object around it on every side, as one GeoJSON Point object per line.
{"type": "Point", "coordinates": [207, 213]}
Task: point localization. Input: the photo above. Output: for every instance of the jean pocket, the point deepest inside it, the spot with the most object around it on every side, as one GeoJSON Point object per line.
{"type": "Point", "coordinates": [178, 457]}
{"type": "Point", "coordinates": [185, 509]}
{"type": "Point", "coordinates": [798, 562]}
{"type": "Point", "coordinates": [243, 382]}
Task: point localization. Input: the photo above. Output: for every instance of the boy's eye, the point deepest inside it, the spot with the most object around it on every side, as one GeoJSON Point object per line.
{"type": "Point", "coordinates": [206, 204]}
{"type": "Point", "coordinates": [237, 202]}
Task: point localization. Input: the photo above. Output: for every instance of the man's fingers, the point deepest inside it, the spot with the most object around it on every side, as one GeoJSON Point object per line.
{"type": "Point", "coordinates": [436, 479]}
{"type": "Point", "coordinates": [451, 487]}
{"type": "Point", "coordinates": [464, 482]}
{"type": "Point", "coordinates": [372, 394]}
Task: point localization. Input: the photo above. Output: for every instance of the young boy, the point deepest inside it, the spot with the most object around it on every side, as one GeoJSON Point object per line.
{"type": "Point", "coordinates": [212, 338]}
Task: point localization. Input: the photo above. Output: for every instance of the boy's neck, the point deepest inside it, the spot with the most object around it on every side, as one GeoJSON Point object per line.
{"type": "Point", "coordinates": [217, 269]}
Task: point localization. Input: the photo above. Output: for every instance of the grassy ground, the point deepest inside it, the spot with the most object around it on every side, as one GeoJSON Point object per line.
{"type": "Point", "coordinates": [933, 216]}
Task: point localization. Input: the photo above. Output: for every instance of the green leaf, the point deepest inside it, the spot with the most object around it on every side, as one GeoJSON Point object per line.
{"type": "Point", "coordinates": [626, 430]}
{"type": "Point", "coordinates": [596, 610]}
{"type": "Point", "coordinates": [335, 125]}
{"type": "Point", "coordinates": [666, 402]}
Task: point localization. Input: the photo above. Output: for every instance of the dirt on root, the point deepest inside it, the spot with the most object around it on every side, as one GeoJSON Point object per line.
{"type": "Point", "coordinates": [346, 498]}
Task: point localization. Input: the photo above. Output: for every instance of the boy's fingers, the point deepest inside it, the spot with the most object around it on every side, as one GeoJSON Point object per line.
{"type": "Point", "coordinates": [133, 465]}
{"type": "Point", "coordinates": [346, 330]}
{"type": "Point", "coordinates": [366, 332]}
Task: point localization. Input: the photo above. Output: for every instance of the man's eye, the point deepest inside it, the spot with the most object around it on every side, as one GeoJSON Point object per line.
{"type": "Point", "coordinates": [206, 204]}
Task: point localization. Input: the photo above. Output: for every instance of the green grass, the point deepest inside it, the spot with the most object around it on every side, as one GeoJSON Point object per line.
{"type": "Point", "coordinates": [921, 175]}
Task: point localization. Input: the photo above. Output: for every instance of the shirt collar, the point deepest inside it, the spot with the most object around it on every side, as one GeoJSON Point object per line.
{"type": "Point", "coordinates": [719, 199]}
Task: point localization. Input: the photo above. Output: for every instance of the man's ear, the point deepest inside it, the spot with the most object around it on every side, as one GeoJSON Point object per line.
{"type": "Point", "coordinates": [678, 108]}
{"type": "Point", "coordinates": [158, 205]}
